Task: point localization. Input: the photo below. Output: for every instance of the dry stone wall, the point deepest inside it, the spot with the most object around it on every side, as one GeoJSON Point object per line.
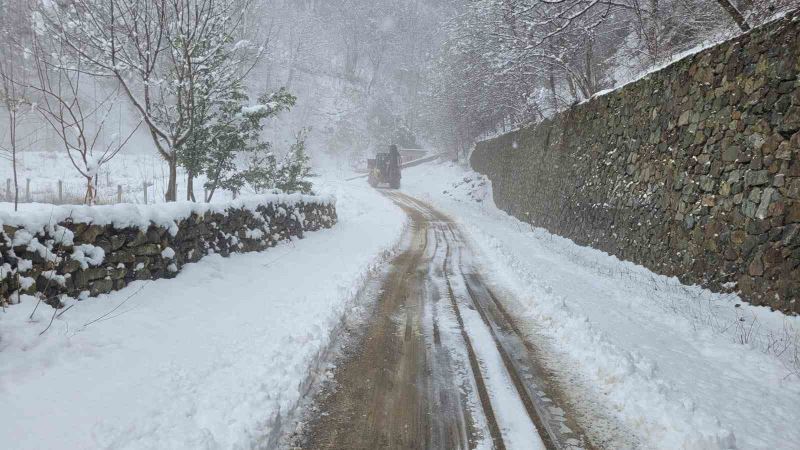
{"type": "Point", "coordinates": [692, 171]}
{"type": "Point", "coordinates": [85, 251]}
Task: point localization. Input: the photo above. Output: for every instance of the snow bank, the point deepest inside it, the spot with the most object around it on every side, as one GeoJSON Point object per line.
{"type": "Point", "coordinates": [680, 366]}
{"type": "Point", "coordinates": [104, 248]}
{"type": "Point", "coordinates": [35, 216]}
{"type": "Point", "coordinates": [210, 359]}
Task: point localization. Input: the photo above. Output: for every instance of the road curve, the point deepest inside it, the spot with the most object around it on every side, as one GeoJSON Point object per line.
{"type": "Point", "coordinates": [439, 364]}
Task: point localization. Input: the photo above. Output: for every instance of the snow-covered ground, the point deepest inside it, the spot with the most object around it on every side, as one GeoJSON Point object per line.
{"type": "Point", "coordinates": [207, 360]}
{"type": "Point", "coordinates": [129, 170]}
{"type": "Point", "coordinates": [213, 357]}
{"type": "Point", "coordinates": [680, 366]}
{"type": "Point", "coordinates": [133, 172]}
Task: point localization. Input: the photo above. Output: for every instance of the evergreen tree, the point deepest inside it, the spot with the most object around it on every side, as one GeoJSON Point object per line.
{"type": "Point", "coordinates": [295, 168]}
{"type": "Point", "coordinates": [235, 134]}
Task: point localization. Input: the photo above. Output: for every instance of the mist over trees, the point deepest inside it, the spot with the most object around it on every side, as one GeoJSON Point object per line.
{"type": "Point", "coordinates": [442, 73]}
{"type": "Point", "coordinates": [15, 98]}
{"type": "Point", "coordinates": [507, 62]}
{"type": "Point", "coordinates": [234, 90]}
{"type": "Point", "coordinates": [359, 69]}
{"type": "Point", "coordinates": [180, 67]}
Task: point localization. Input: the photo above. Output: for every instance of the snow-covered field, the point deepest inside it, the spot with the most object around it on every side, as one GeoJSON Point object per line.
{"type": "Point", "coordinates": [208, 360]}
{"type": "Point", "coordinates": [678, 365]}
{"type": "Point", "coordinates": [129, 170]}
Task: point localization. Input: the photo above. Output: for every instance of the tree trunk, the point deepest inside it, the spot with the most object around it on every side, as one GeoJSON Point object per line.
{"type": "Point", "coordinates": [214, 183]}
{"type": "Point", "coordinates": [735, 14]}
{"type": "Point", "coordinates": [655, 45]}
{"type": "Point", "coordinates": [172, 182]}
{"type": "Point", "coordinates": [589, 66]}
{"type": "Point", "coordinates": [573, 91]}
{"type": "Point", "coordinates": [553, 94]}
{"type": "Point", "coordinates": [16, 181]}
{"type": "Point", "coordinates": [190, 186]}
{"type": "Point", "coordinates": [89, 198]}
{"type": "Point", "coordinates": [13, 124]}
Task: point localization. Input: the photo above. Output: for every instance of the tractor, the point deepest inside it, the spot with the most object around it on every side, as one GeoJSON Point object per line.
{"type": "Point", "coordinates": [385, 169]}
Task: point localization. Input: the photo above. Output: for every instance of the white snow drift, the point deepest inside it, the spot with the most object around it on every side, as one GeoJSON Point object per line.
{"type": "Point", "coordinates": [679, 366]}
{"type": "Point", "coordinates": [207, 360]}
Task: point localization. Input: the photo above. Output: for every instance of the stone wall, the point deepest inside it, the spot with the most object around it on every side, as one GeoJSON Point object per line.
{"type": "Point", "coordinates": [90, 251]}
{"type": "Point", "coordinates": [692, 171]}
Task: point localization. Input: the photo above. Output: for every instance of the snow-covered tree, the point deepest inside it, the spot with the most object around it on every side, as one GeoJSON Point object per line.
{"type": "Point", "coordinates": [507, 62]}
{"type": "Point", "coordinates": [162, 53]}
{"type": "Point", "coordinates": [75, 112]}
{"type": "Point", "coordinates": [294, 171]}
{"type": "Point", "coordinates": [234, 135]}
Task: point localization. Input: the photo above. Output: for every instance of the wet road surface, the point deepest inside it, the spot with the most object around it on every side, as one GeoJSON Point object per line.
{"type": "Point", "coordinates": [438, 363]}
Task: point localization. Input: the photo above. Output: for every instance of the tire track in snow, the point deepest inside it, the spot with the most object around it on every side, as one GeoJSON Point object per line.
{"type": "Point", "coordinates": [440, 364]}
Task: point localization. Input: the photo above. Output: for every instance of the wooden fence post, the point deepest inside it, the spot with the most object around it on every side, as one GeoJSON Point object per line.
{"type": "Point", "coordinates": [60, 191]}
{"type": "Point", "coordinates": [119, 193]}
{"type": "Point", "coordinates": [28, 190]}
{"type": "Point", "coordinates": [144, 189]}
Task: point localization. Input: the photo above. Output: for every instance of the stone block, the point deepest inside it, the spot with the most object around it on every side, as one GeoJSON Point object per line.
{"type": "Point", "coordinates": [763, 207]}
{"type": "Point", "coordinates": [147, 250]}
{"type": "Point", "coordinates": [756, 266]}
{"type": "Point", "coordinates": [90, 234]}
{"type": "Point", "coordinates": [756, 177]}
{"type": "Point", "coordinates": [793, 212]}
{"type": "Point", "coordinates": [103, 286]}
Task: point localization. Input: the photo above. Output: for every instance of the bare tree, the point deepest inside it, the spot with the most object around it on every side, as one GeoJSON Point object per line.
{"type": "Point", "coordinates": [737, 16]}
{"type": "Point", "coordinates": [79, 119]}
{"type": "Point", "coordinates": [14, 97]}
{"type": "Point", "coordinates": [157, 51]}
{"type": "Point", "coordinates": [513, 61]}
{"type": "Point", "coordinates": [14, 100]}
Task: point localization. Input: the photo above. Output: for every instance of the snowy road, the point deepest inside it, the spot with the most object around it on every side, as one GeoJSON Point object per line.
{"type": "Point", "coordinates": [212, 359]}
{"type": "Point", "coordinates": [439, 363]}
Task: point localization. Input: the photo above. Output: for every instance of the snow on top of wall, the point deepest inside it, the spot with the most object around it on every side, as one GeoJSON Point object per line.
{"type": "Point", "coordinates": [689, 53]}
{"type": "Point", "coordinates": [722, 38]}
{"type": "Point", "coordinates": [635, 77]}
{"type": "Point", "coordinates": [35, 217]}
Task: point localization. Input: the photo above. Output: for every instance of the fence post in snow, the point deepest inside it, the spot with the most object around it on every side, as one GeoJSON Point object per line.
{"type": "Point", "coordinates": [28, 190]}
{"type": "Point", "coordinates": [60, 191]}
{"type": "Point", "coordinates": [144, 189]}
{"type": "Point", "coordinates": [205, 195]}
{"type": "Point", "coordinates": [119, 193]}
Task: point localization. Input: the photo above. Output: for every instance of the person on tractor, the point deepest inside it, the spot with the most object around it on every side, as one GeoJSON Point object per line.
{"type": "Point", "coordinates": [394, 156]}
{"type": "Point", "coordinates": [394, 167]}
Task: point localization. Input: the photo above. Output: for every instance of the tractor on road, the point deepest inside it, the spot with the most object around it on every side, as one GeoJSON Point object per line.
{"type": "Point", "coordinates": [385, 169]}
